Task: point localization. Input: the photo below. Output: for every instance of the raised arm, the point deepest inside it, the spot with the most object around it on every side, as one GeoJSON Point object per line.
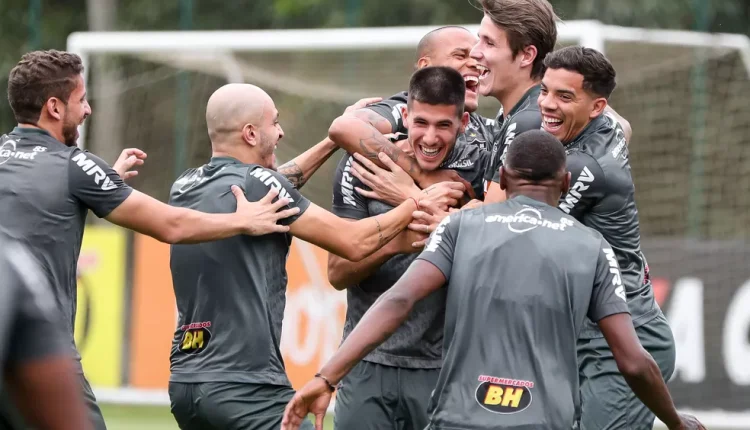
{"type": "Point", "coordinates": [170, 224]}
{"type": "Point", "coordinates": [351, 240]}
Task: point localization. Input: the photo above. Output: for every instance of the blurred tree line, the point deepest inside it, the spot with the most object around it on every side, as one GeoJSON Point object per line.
{"type": "Point", "coordinates": [35, 24]}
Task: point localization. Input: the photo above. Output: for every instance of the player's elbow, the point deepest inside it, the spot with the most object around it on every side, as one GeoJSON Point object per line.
{"type": "Point", "coordinates": [336, 275]}
{"type": "Point", "coordinates": [173, 230]}
{"type": "Point", "coordinates": [341, 128]}
{"type": "Point", "coordinates": [634, 365]}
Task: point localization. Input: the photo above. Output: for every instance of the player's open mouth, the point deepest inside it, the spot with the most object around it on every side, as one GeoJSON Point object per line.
{"type": "Point", "coordinates": [483, 71]}
{"type": "Point", "coordinates": [472, 83]}
{"type": "Point", "coordinates": [429, 153]}
{"type": "Point", "coordinates": [551, 124]}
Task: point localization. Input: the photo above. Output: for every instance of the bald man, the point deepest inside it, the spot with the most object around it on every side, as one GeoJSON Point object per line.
{"type": "Point", "coordinates": [362, 130]}
{"type": "Point", "coordinates": [226, 366]}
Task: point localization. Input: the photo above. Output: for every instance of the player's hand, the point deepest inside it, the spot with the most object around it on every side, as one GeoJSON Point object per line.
{"type": "Point", "coordinates": [313, 398]}
{"type": "Point", "coordinates": [259, 218]}
{"type": "Point", "coordinates": [689, 422]}
{"type": "Point", "coordinates": [392, 185]}
{"type": "Point", "coordinates": [129, 158]}
{"type": "Point", "coordinates": [444, 175]}
{"type": "Point", "coordinates": [361, 103]}
{"type": "Point", "coordinates": [441, 197]}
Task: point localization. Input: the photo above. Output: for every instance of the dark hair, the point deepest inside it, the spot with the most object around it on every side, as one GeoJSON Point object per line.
{"type": "Point", "coordinates": [598, 73]}
{"type": "Point", "coordinates": [526, 22]}
{"type": "Point", "coordinates": [39, 76]}
{"type": "Point", "coordinates": [536, 156]}
{"type": "Point", "coordinates": [438, 86]}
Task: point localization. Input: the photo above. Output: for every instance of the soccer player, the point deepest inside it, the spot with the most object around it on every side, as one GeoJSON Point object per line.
{"type": "Point", "coordinates": [49, 185]}
{"type": "Point", "coordinates": [390, 388]}
{"type": "Point", "coordinates": [514, 38]}
{"type": "Point", "coordinates": [226, 367]}
{"type": "Point", "coordinates": [362, 130]}
{"type": "Point", "coordinates": [574, 92]}
{"type": "Point", "coordinates": [520, 278]}
{"type": "Point", "coordinates": [40, 382]}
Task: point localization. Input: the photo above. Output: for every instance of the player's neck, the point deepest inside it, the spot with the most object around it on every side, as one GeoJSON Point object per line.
{"type": "Point", "coordinates": [241, 156]}
{"type": "Point", "coordinates": [41, 126]}
{"type": "Point", "coordinates": [510, 98]}
{"type": "Point", "coordinates": [535, 192]}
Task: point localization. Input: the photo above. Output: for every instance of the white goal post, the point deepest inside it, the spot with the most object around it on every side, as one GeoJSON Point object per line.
{"type": "Point", "coordinates": [189, 50]}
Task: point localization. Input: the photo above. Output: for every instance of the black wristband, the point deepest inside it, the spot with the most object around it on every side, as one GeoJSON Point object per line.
{"type": "Point", "coordinates": [330, 386]}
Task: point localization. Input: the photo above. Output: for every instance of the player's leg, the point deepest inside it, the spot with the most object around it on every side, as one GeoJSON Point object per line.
{"type": "Point", "coordinates": [607, 402]}
{"type": "Point", "coordinates": [367, 398]}
{"type": "Point", "coordinates": [97, 419]}
{"type": "Point", "coordinates": [415, 389]}
{"type": "Point", "coordinates": [238, 406]}
{"type": "Point", "coordinates": [183, 401]}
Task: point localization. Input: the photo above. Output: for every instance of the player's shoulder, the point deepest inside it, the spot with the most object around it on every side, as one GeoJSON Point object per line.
{"type": "Point", "coordinates": [401, 97]}
{"type": "Point", "coordinates": [604, 138]}
{"type": "Point", "coordinates": [525, 120]}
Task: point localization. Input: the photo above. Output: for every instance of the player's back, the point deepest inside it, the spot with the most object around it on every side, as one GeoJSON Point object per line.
{"type": "Point", "coordinates": [230, 293]}
{"type": "Point", "coordinates": [519, 289]}
{"type": "Point", "coordinates": [47, 189]}
{"type": "Point", "coordinates": [602, 196]}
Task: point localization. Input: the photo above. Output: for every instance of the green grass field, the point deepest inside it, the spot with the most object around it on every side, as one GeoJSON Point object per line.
{"type": "Point", "coordinates": [125, 417]}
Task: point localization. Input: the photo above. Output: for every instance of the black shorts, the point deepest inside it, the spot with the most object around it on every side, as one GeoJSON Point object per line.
{"type": "Point", "coordinates": [230, 406]}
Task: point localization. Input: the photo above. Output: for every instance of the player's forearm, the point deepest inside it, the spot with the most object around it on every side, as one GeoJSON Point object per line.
{"type": "Point", "coordinates": [299, 170]}
{"type": "Point", "coordinates": [48, 395]}
{"type": "Point", "coordinates": [190, 226]}
{"type": "Point", "coordinates": [644, 378]}
{"type": "Point", "coordinates": [371, 234]}
{"type": "Point", "coordinates": [376, 326]}
{"type": "Point", "coordinates": [357, 136]}
{"type": "Point", "coordinates": [343, 273]}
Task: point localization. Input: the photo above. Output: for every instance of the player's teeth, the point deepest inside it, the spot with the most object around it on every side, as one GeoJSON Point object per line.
{"type": "Point", "coordinates": [473, 79]}
{"type": "Point", "coordinates": [430, 151]}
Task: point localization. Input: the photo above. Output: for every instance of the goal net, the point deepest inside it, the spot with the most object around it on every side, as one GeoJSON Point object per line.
{"type": "Point", "coordinates": [684, 94]}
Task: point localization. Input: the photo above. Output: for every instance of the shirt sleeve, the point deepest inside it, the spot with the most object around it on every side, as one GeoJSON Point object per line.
{"type": "Point", "coordinates": [520, 123]}
{"type": "Point", "coordinates": [36, 331]}
{"type": "Point", "coordinates": [441, 246]}
{"type": "Point", "coordinates": [260, 180]}
{"type": "Point", "coordinates": [94, 183]}
{"type": "Point", "coordinates": [347, 202]}
{"type": "Point", "coordinates": [608, 295]}
{"type": "Point", "coordinates": [588, 185]}
{"type": "Point", "coordinates": [390, 109]}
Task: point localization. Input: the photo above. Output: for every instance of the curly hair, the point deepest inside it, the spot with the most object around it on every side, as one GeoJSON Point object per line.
{"type": "Point", "coordinates": [39, 76]}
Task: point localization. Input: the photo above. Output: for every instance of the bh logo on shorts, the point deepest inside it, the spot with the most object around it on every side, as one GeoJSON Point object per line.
{"type": "Point", "coordinates": [195, 337]}
{"type": "Point", "coordinates": [503, 395]}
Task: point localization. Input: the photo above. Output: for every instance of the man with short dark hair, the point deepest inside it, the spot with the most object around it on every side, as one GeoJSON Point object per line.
{"type": "Point", "coordinates": [576, 86]}
{"type": "Point", "coordinates": [391, 386]}
{"type": "Point", "coordinates": [362, 131]}
{"type": "Point", "coordinates": [49, 185]}
{"type": "Point", "coordinates": [520, 278]}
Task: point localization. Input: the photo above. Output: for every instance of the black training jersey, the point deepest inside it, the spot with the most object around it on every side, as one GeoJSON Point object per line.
{"type": "Point", "coordinates": [602, 196]}
{"type": "Point", "coordinates": [480, 131]}
{"type": "Point", "coordinates": [230, 293]}
{"type": "Point", "coordinates": [524, 116]}
{"type": "Point", "coordinates": [46, 193]}
{"type": "Point", "coordinates": [521, 278]}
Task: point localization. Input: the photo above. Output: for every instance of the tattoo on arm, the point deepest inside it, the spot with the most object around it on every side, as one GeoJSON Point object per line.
{"type": "Point", "coordinates": [377, 143]}
{"type": "Point", "coordinates": [292, 172]}
{"type": "Point", "coordinates": [374, 119]}
{"type": "Point", "coordinates": [380, 232]}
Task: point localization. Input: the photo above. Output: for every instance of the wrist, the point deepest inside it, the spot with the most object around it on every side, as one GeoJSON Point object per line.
{"type": "Point", "coordinates": [329, 385]}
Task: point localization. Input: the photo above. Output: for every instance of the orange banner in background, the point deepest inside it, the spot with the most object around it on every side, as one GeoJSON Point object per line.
{"type": "Point", "coordinates": [313, 320]}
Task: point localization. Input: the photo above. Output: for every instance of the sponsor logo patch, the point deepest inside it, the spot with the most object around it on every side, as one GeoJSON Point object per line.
{"type": "Point", "coordinates": [503, 395]}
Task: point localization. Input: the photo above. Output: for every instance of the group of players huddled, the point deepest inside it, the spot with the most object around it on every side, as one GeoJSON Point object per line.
{"type": "Point", "coordinates": [493, 268]}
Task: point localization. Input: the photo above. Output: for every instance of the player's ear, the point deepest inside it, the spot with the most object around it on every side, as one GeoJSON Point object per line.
{"type": "Point", "coordinates": [599, 105]}
{"type": "Point", "coordinates": [423, 62]}
{"type": "Point", "coordinates": [464, 121]}
{"type": "Point", "coordinates": [565, 185]}
{"type": "Point", "coordinates": [405, 116]}
{"type": "Point", "coordinates": [250, 134]}
{"type": "Point", "coordinates": [54, 108]}
{"type": "Point", "coordinates": [503, 179]}
{"type": "Point", "coordinates": [528, 55]}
